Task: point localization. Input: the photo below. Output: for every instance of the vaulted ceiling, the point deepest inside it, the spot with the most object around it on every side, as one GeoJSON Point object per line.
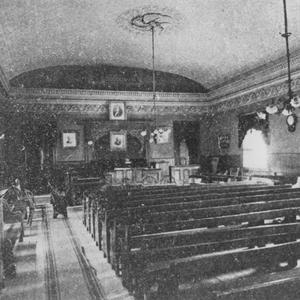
{"type": "Point", "coordinates": [207, 41]}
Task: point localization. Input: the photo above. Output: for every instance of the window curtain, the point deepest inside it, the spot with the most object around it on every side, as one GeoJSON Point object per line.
{"type": "Point", "coordinates": [252, 121]}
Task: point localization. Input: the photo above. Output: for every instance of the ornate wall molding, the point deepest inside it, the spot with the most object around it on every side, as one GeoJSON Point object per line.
{"type": "Point", "coordinates": [101, 108]}
{"type": "Point", "coordinates": [73, 94]}
{"type": "Point", "coordinates": [258, 95]}
{"type": "Point", "coordinates": [262, 74]}
{"type": "Point", "coordinates": [260, 85]}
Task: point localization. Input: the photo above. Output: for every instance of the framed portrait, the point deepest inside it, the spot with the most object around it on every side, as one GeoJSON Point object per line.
{"type": "Point", "coordinates": [118, 141]}
{"type": "Point", "coordinates": [224, 141]}
{"type": "Point", "coordinates": [69, 139]}
{"type": "Point", "coordinates": [117, 111]}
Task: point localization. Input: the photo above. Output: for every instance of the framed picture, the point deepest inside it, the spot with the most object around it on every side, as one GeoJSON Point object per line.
{"type": "Point", "coordinates": [117, 111]}
{"type": "Point", "coordinates": [69, 139]}
{"type": "Point", "coordinates": [224, 141]}
{"type": "Point", "coordinates": [118, 141]}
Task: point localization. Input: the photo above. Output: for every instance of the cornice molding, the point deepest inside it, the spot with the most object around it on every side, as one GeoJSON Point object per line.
{"type": "Point", "coordinates": [265, 93]}
{"type": "Point", "coordinates": [260, 75]}
{"type": "Point", "coordinates": [73, 94]}
{"type": "Point", "coordinates": [262, 84]}
{"type": "Point", "coordinates": [102, 109]}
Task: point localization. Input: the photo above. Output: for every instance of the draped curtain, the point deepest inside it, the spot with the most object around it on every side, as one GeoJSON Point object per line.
{"type": "Point", "coordinates": [252, 121]}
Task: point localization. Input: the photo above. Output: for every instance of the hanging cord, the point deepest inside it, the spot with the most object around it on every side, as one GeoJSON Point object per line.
{"type": "Point", "coordinates": [286, 35]}
{"type": "Point", "coordinates": [153, 78]}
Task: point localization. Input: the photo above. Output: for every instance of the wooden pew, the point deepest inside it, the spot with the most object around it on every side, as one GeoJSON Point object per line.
{"type": "Point", "coordinates": [189, 195]}
{"type": "Point", "coordinates": [150, 253]}
{"type": "Point", "coordinates": [258, 286]}
{"type": "Point", "coordinates": [121, 195]}
{"type": "Point", "coordinates": [156, 257]}
{"type": "Point", "coordinates": [114, 209]}
{"type": "Point", "coordinates": [167, 198]}
{"type": "Point", "coordinates": [217, 216]}
{"type": "Point", "coordinates": [165, 217]}
{"type": "Point", "coordinates": [170, 273]}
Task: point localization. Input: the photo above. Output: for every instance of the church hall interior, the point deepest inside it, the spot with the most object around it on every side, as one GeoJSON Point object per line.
{"type": "Point", "coordinates": [149, 149]}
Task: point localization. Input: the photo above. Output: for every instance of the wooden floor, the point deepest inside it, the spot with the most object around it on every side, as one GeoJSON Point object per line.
{"type": "Point", "coordinates": [59, 260]}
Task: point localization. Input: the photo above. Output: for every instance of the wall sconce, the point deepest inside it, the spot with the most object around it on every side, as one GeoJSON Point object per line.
{"type": "Point", "coordinates": [144, 133]}
{"type": "Point", "coordinates": [295, 102]}
{"type": "Point", "coordinates": [272, 109]}
{"type": "Point", "coordinates": [288, 109]}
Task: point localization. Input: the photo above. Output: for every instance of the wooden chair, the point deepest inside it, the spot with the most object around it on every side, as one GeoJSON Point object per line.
{"type": "Point", "coordinates": [234, 172]}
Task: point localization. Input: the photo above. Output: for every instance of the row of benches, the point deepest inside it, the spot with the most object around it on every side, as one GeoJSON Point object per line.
{"type": "Point", "coordinates": [167, 236]}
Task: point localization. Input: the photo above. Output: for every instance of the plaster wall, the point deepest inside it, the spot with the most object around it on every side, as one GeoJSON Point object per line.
{"type": "Point", "coordinates": [76, 154]}
{"type": "Point", "coordinates": [283, 150]}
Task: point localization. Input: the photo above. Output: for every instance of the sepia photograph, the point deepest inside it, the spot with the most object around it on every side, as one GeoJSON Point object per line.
{"type": "Point", "coordinates": [150, 150]}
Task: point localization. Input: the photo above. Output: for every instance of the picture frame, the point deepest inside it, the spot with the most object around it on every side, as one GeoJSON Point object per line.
{"type": "Point", "coordinates": [69, 139]}
{"type": "Point", "coordinates": [117, 111]}
{"type": "Point", "coordinates": [224, 141]}
{"type": "Point", "coordinates": [118, 140]}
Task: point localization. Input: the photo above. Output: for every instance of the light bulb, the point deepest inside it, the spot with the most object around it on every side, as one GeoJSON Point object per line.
{"type": "Point", "coordinates": [271, 109]}
{"type": "Point", "coordinates": [286, 112]}
{"type": "Point", "coordinates": [295, 102]}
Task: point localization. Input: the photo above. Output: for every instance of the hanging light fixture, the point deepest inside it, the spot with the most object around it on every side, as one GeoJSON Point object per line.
{"type": "Point", "coordinates": [272, 109]}
{"type": "Point", "coordinates": [293, 101]}
{"type": "Point", "coordinates": [288, 107]}
{"type": "Point", "coordinates": [152, 21]}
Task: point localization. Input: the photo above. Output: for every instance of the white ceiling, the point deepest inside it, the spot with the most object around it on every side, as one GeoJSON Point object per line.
{"type": "Point", "coordinates": [213, 41]}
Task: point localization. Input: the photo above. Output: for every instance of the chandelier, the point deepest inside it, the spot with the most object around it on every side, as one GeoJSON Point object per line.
{"type": "Point", "coordinates": [151, 22]}
{"type": "Point", "coordinates": [292, 101]}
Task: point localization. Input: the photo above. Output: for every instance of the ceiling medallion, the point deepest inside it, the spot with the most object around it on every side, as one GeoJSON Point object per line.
{"type": "Point", "coordinates": [144, 18]}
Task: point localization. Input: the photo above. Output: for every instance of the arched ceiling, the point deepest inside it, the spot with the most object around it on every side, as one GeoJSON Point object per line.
{"type": "Point", "coordinates": [209, 41]}
{"type": "Point", "coordinates": [105, 77]}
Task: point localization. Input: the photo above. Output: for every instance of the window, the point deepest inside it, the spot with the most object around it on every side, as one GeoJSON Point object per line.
{"type": "Point", "coordinates": [255, 155]}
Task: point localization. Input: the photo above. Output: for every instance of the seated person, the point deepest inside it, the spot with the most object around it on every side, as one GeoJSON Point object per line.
{"type": "Point", "coordinates": [59, 202]}
{"type": "Point", "coordinates": [17, 198]}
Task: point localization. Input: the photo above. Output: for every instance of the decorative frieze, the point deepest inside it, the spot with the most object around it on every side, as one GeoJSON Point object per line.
{"type": "Point", "coordinates": [259, 95]}
{"type": "Point", "coordinates": [141, 103]}
{"type": "Point", "coordinates": [105, 95]}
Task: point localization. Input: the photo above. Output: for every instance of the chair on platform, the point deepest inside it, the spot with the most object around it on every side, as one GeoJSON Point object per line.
{"type": "Point", "coordinates": [234, 173]}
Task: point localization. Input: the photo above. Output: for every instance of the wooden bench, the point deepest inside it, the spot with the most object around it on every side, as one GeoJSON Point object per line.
{"type": "Point", "coordinates": [169, 274]}
{"type": "Point", "coordinates": [152, 254]}
{"type": "Point", "coordinates": [175, 190]}
{"type": "Point", "coordinates": [211, 217]}
{"type": "Point", "coordinates": [119, 208]}
{"type": "Point", "coordinates": [174, 215]}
